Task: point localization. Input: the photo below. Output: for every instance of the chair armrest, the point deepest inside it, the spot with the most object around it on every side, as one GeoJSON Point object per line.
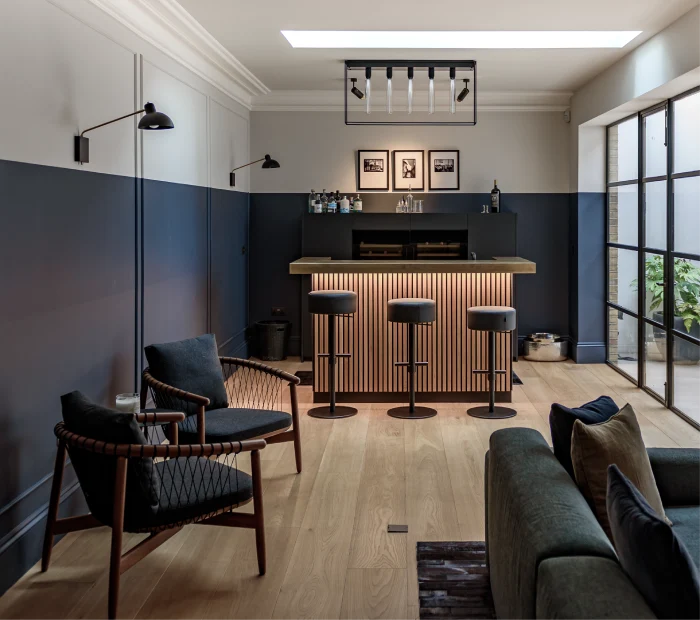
{"type": "Point", "coordinates": [157, 417]}
{"type": "Point", "coordinates": [677, 474]}
{"type": "Point", "coordinates": [159, 386]}
{"type": "Point", "coordinates": [275, 372]}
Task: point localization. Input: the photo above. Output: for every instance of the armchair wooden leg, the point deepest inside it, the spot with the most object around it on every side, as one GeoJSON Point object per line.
{"type": "Point", "coordinates": [117, 532]}
{"type": "Point", "coordinates": [297, 428]}
{"type": "Point", "coordinates": [53, 506]}
{"type": "Point", "coordinates": [258, 511]}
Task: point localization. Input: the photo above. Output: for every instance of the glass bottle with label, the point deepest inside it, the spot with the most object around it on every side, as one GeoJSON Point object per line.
{"type": "Point", "coordinates": [324, 202]}
{"type": "Point", "coordinates": [345, 205]}
{"type": "Point", "coordinates": [409, 201]}
{"type": "Point", "coordinates": [495, 198]}
{"type": "Point", "coordinates": [357, 207]}
{"type": "Point", "coordinates": [332, 204]}
{"type": "Point", "coordinates": [312, 200]}
{"type": "Point", "coordinates": [318, 207]}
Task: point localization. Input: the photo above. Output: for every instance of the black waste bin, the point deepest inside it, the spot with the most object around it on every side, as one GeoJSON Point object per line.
{"type": "Point", "coordinates": [273, 339]}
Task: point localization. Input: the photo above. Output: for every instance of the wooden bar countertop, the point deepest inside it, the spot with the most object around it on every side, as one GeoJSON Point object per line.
{"type": "Point", "coordinates": [499, 264]}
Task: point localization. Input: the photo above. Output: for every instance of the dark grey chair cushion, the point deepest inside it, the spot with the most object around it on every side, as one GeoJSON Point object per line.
{"type": "Point", "coordinates": [96, 472]}
{"type": "Point", "coordinates": [411, 310]}
{"type": "Point", "coordinates": [491, 318]}
{"type": "Point", "coordinates": [191, 487]}
{"type": "Point", "coordinates": [587, 587]}
{"type": "Point", "coordinates": [234, 425]}
{"type": "Point", "coordinates": [535, 512]}
{"type": "Point", "coordinates": [654, 558]}
{"type": "Point", "coordinates": [332, 302]}
{"type": "Point", "coordinates": [677, 475]}
{"type": "Point", "coordinates": [686, 526]}
{"type": "Point", "coordinates": [561, 424]}
{"type": "Point", "coordinates": [192, 365]}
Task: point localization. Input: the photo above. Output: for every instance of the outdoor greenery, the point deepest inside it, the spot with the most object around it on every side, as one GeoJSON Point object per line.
{"type": "Point", "coordinates": [686, 297]}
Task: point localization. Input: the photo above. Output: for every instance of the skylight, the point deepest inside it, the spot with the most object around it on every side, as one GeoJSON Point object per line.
{"type": "Point", "coordinates": [465, 39]}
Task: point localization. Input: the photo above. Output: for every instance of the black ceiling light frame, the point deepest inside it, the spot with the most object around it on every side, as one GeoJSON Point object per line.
{"type": "Point", "coordinates": [449, 67]}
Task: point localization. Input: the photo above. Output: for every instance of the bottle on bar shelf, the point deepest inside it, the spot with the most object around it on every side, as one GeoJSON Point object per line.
{"type": "Point", "coordinates": [495, 198]}
{"type": "Point", "coordinates": [357, 205]}
{"type": "Point", "coordinates": [345, 205]}
{"type": "Point", "coordinates": [318, 206]}
{"type": "Point", "coordinates": [332, 204]}
{"type": "Point", "coordinates": [312, 201]}
{"type": "Point", "coordinates": [324, 202]}
{"type": "Point", "coordinates": [409, 201]}
{"type": "Point", "coordinates": [337, 199]}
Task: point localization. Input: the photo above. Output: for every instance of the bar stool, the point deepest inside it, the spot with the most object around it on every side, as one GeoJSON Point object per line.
{"type": "Point", "coordinates": [491, 319]}
{"type": "Point", "coordinates": [332, 303]}
{"type": "Point", "coordinates": [411, 311]}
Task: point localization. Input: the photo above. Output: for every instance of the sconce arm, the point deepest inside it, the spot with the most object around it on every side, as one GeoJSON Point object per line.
{"type": "Point", "coordinates": [112, 121]}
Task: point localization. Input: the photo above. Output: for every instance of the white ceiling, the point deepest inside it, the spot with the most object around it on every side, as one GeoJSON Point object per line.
{"type": "Point", "coordinates": [250, 30]}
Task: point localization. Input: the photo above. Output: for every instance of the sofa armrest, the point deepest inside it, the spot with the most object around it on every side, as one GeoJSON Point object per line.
{"type": "Point", "coordinates": [677, 474]}
{"type": "Point", "coordinates": [535, 512]}
{"type": "Point", "coordinates": [587, 587]}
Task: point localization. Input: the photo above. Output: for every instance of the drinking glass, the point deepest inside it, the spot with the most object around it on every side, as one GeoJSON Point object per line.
{"type": "Point", "coordinates": [129, 402]}
{"type": "Point", "coordinates": [418, 206]}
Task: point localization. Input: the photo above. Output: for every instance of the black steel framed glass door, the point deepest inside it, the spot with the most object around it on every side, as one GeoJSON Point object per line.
{"type": "Point", "coordinates": [653, 246]}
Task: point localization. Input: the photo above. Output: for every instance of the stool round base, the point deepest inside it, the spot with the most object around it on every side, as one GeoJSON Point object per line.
{"type": "Point", "coordinates": [419, 413]}
{"type": "Point", "coordinates": [325, 413]}
{"type": "Point", "coordinates": [498, 413]}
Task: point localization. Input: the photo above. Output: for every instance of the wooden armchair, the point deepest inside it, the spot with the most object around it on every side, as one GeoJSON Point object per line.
{"type": "Point", "coordinates": [254, 406]}
{"type": "Point", "coordinates": [155, 489]}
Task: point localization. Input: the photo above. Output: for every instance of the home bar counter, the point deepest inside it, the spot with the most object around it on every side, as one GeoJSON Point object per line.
{"type": "Point", "coordinates": [375, 345]}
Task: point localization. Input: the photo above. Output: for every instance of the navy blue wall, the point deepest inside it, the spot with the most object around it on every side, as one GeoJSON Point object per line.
{"type": "Point", "coordinates": [543, 237]}
{"type": "Point", "coordinates": [93, 267]}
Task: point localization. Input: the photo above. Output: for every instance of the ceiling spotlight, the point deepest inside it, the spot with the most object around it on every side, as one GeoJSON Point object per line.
{"type": "Point", "coordinates": [368, 86]}
{"type": "Point", "coordinates": [465, 91]}
{"type": "Point", "coordinates": [356, 91]}
{"type": "Point", "coordinates": [410, 90]}
{"type": "Point", "coordinates": [389, 74]}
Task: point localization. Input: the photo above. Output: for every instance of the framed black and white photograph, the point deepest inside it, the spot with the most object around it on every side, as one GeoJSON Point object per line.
{"type": "Point", "coordinates": [408, 170]}
{"type": "Point", "coordinates": [443, 170]}
{"type": "Point", "coordinates": [372, 170]}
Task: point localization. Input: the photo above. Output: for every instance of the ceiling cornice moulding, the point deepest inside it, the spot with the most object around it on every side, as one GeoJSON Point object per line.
{"type": "Point", "coordinates": [332, 101]}
{"type": "Point", "coordinates": [168, 27]}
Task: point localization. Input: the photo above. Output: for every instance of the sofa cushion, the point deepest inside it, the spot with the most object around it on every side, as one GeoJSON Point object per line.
{"type": "Point", "coordinates": [686, 525]}
{"type": "Point", "coordinates": [534, 512]}
{"type": "Point", "coordinates": [96, 472]}
{"type": "Point", "coordinates": [677, 474]}
{"type": "Point", "coordinates": [234, 425]}
{"type": "Point", "coordinates": [192, 365]}
{"type": "Point", "coordinates": [561, 424]}
{"type": "Point", "coordinates": [587, 587]}
{"type": "Point", "coordinates": [654, 558]}
{"type": "Point", "coordinates": [596, 446]}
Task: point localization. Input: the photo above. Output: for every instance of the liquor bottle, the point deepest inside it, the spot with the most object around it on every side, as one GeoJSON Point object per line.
{"type": "Point", "coordinates": [324, 202]}
{"type": "Point", "coordinates": [409, 201]}
{"type": "Point", "coordinates": [332, 204]}
{"type": "Point", "coordinates": [312, 200]}
{"type": "Point", "coordinates": [495, 198]}
{"type": "Point", "coordinates": [345, 205]}
{"type": "Point", "coordinates": [337, 198]}
{"type": "Point", "coordinates": [357, 206]}
{"type": "Point", "coordinates": [318, 207]}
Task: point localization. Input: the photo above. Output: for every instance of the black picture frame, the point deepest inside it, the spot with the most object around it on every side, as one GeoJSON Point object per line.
{"type": "Point", "coordinates": [360, 171]}
{"type": "Point", "coordinates": [431, 171]}
{"type": "Point", "coordinates": [414, 187]}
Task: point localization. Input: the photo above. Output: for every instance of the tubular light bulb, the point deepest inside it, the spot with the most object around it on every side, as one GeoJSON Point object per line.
{"type": "Point", "coordinates": [431, 90]}
{"type": "Point", "coordinates": [389, 73]}
{"type": "Point", "coordinates": [410, 90]}
{"type": "Point", "coordinates": [453, 108]}
{"type": "Point", "coordinates": [368, 87]}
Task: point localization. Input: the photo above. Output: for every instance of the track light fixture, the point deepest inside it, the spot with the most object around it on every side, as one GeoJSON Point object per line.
{"type": "Point", "coordinates": [465, 91]}
{"type": "Point", "coordinates": [431, 90]}
{"type": "Point", "coordinates": [389, 75]}
{"type": "Point", "coordinates": [453, 75]}
{"type": "Point", "coordinates": [368, 87]}
{"type": "Point", "coordinates": [410, 90]}
{"type": "Point", "coordinates": [356, 91]}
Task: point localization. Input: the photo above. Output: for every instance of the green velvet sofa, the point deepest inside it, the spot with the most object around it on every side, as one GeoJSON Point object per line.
{"type": "Point", "coordinates": [548, 557]}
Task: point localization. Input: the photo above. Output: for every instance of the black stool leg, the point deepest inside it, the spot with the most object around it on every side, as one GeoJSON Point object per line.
{"type": "Point", "coordinates": [412, 412]}
{"type": "Point", "coordinates": [332, 411]}
{"type": "Point", "coordinates": [492, 412]}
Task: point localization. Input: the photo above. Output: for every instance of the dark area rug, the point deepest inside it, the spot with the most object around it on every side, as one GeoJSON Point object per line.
{"type": "Point", "coordinates": [453, 580]}
{"type": "Point", "coordinates": [306, 376]}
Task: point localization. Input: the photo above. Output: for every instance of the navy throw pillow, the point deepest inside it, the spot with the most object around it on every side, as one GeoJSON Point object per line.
{"type": "Point", "coordinates": [561, 425]}
{"type": "Point", "coordinates": [96, 472]}
{"type": "Point", "coordinates": [192, 365]}
{"type": "Point", "coordinates": [654, 558]}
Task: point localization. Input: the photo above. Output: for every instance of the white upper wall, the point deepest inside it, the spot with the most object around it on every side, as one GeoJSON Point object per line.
{"type": "Point", "coordinates": [67, 66]}
{"type": "Point", "coordinates": [526, 151]}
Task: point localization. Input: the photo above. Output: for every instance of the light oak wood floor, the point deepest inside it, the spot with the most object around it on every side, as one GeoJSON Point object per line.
{"type": "Point", "coordinates": [329, 554]}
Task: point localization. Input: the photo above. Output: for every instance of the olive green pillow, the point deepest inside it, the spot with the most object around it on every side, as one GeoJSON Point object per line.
{"type": "Point", "coordinates": [618, 441]}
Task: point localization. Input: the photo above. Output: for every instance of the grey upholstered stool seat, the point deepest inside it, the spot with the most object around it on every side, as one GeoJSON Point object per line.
{"type": "Point", "coordinates": [412, 311]}
{"type": "Point", "coordinates": [333, 304]}
{"type": "Point", "coordinates": [491, 319]}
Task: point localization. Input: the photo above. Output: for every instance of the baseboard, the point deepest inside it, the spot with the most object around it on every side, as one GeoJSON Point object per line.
{"type": "Point", "coordinates": [587, 352]}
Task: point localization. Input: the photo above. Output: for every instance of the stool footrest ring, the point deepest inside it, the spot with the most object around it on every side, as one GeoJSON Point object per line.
{"type": "Point", "coordinates": [409, 363]}
{"type": "Point", "coordinates": [337, 355]}
{"type": "Point", "coordinates": [486, 372]}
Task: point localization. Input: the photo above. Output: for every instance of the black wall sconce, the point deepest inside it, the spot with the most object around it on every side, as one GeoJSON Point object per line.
{"type": "Point", "coordinates": [151, 120]}
{"type": "Point", "coordinates": [268, 162]}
